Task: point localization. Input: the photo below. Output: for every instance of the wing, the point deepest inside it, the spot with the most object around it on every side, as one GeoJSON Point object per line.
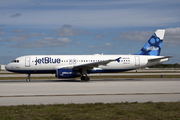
{"type": "Point", "coordinates": [89, 66]}
{"type": "Point", "coordinates": [92, 65]}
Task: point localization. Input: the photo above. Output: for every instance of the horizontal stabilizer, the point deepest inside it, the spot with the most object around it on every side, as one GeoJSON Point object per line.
{"type": "Point", "coordinates": [161, 58]}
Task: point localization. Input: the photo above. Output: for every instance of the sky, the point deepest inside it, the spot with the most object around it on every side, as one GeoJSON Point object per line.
{"type": "Point", "coordinates": [70, 27]}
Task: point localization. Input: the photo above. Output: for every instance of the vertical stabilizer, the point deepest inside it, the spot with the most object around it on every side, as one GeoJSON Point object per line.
{"type": "Point", "coordinates": [153, 46]}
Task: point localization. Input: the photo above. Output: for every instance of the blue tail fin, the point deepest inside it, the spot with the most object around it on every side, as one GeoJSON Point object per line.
{"type": "Point", "coordinates": [153, 46]}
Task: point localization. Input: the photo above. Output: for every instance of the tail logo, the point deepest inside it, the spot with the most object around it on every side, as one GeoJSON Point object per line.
{"type": "Point", "coordinates": [152, 48]}
{"type": "Point", "coordinates": [154, 40]}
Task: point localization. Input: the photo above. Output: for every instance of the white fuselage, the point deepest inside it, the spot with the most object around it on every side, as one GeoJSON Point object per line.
{"type": "Point", "coordinates": [50, 63]}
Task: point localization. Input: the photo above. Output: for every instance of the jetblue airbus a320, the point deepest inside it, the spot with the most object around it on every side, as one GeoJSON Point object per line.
{"type": "Point", "coordinates": [71, 66]}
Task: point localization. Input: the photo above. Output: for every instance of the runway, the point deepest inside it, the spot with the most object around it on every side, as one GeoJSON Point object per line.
{"type": "Point", "coordinates": [18, 92]}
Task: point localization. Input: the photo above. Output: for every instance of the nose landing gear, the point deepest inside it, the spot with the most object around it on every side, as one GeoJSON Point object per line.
{"type": "Point", "coordinates": [28, 79]}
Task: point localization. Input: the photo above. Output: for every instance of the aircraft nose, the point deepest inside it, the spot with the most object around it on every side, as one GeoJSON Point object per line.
{"type": "Point", "coordinates": [7, 67]}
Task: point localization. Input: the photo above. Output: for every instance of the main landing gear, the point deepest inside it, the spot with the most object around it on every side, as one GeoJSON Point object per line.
{"type": "Point", "coordinates": [28, 79]}
{"type": "Point", "coordinates": [84, 76]}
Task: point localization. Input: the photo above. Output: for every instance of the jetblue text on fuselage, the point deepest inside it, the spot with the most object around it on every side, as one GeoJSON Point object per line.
{"type": "Point", "coordinates": [47, 60]}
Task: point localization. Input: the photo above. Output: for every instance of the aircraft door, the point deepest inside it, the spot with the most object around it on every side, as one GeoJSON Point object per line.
{"type": "Point", "coordinates": [27, 62]}
{"type": "Point", "coordinates": [137, 61]}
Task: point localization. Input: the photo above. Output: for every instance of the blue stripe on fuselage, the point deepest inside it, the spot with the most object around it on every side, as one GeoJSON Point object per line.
{"type": "Point", "coordinates": [54, 71]}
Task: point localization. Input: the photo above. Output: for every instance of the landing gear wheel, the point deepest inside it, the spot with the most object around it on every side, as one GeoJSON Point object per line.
{"type": "Point", "coordinates": [85, 78]}
{"type": "Point", "coordinates": [82, 78]}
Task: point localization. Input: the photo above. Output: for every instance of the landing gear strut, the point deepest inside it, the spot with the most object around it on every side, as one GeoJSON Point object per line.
{"type": "Point", "coordinates": [28, 79]}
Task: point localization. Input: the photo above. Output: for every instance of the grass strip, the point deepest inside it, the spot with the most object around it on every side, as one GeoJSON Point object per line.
{"type": "Point", "coordinates": [93, 111]}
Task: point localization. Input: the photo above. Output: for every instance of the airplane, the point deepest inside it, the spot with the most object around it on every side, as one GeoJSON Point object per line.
{"type": "Point", "coordinates": [71, 66]}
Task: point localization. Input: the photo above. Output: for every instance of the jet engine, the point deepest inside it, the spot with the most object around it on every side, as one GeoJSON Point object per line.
{"type": "Point", "coordinates": [67, 73]}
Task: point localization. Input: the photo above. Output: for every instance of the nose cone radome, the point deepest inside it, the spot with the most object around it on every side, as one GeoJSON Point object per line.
{"type": "Point", "coordinates": [7, 67]}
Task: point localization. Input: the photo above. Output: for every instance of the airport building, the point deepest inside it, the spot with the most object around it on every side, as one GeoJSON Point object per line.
{"type": "Point", "coordinates": [2, 67]}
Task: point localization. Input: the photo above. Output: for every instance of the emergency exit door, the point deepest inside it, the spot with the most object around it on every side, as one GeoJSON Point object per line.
{"type": "Point", "coordinates": [27, 62]}
{"type": "Point", "coordinates": [137, 61]}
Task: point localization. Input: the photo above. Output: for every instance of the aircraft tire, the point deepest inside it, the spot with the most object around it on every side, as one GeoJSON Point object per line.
{"type": "Point", "coordinates": [85, 78]}
{"type": "Point", "coordinates": [82, 78]}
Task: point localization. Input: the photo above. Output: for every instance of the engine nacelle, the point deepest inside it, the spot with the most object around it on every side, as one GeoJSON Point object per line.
{"type": "Point", "coordinates": [67, 73]}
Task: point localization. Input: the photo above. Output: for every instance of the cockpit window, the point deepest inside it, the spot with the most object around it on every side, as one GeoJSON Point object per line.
{"type": "Point", "coordinates": [15, 61]}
